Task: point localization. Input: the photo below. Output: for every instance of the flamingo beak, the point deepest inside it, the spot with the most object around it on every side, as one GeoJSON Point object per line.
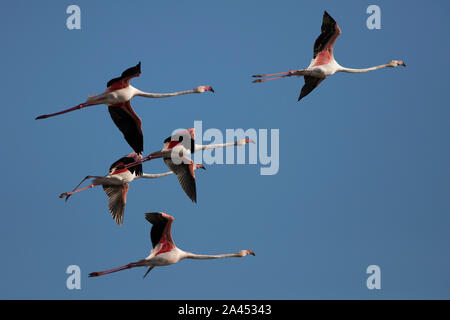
{"type": "Point", "coordinates": [211, 89]}
{"type": "Point", "coordinates": [251, 252]}
{"type": "Point", "coordinates": [248, 140]}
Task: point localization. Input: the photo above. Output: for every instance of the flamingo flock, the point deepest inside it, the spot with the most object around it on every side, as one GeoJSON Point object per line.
{"type": "Point", "coordinates": [178, 147]}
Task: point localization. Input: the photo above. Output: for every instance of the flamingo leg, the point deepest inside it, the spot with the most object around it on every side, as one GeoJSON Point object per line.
{"type": "Point", "coordinates": [271, 75]}
{"type": "Point", "coordinates": [127, 266]}
{"type": "Point", "coordinates": [264, 80]}
{"type": "Point", "coordinates": [68, 194]}
{"type": "Point", "coordinates": [87, 177]}
{"type": "Point", "coordinates": [82, 105]}
{"type": "Point", "coordinates": [285, 74]}
{"type": "Point", "coordinates": [151, 156]}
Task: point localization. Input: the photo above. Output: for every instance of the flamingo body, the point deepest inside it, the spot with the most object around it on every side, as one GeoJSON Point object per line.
{"type": "Point", "coordinates": [117, 97]}
{"type": "Point", "coordinates": [323, 63]}
{"type": "Point", "coordinates": [164, 251]}
{"type": "Point", "coordinates": [116, 183]}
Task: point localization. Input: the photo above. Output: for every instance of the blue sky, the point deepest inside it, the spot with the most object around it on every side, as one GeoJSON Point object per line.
{"type": "Point", "coordinates": [364, 159]}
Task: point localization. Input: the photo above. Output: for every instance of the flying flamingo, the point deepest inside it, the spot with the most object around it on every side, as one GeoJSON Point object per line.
{"type": "Point", "coordinates": [117, 97]}
{"type": "Point", "coordinates": [323, 63]}
{"type": "Point", "coordinates": [115, 184]}
{"type": "Point", "coordinates": [164, 251]}
{"type": "Point", "coordinates": [175, 151]}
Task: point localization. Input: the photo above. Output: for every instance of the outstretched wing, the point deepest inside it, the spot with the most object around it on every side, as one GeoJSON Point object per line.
{"type": "Point", "coordinates": [325, 41]}
{"type": "Point", "coordinates": [310, 84]}
{"type": "Point", "coordinates": [186, 177]}
{"type": "Point", "coordinates": [129, 124]}
{"type": "Point", "coordinates": [124, 80]}
{"type": "Point", "coordinates": [161, 227]}
{"type": "Point", "coordinates": [117, 198]}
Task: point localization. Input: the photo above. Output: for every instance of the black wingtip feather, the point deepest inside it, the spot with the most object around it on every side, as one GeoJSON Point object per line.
{"type": "Point", "coordinates": [138, 67]}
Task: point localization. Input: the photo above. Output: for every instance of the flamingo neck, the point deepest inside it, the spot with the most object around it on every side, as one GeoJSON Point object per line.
{"type": "Point", "coordinates": [190, 255]}
{"type": "Point", "coordinates": [163, 95]}
{"type": "Point", "coordinates": [155, 175]}
{"type": "Point", "coordinates": [214, 146]}
{"type": "Point", "coordinates": [350, 70]}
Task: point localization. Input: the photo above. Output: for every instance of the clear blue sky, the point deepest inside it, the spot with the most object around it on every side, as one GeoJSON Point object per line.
{"type": "Point", "coordinates": [364, 160]}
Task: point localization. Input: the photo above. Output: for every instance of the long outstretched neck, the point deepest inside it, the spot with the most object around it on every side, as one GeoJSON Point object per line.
{"type": "Point", "coordinates": [155, 175]}
{"type": "Point", "coordinates": [223, 145]}
{"type": "Point", "coordinates": [164, 95]}
{"type": "Point", "coordinates": [190, 255]}
{"type": "Point", "coordinates": [350, 70]}
{"type": "Point", "coordinates": [214, 146]}
{"type": "Point", "coordinates": [127, 266]}
{"type": "Point", "coordinates": [239, 254]}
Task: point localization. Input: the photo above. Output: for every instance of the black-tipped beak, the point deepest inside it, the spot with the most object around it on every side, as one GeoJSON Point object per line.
{"type": "Point", "coordinates": [212, 90]}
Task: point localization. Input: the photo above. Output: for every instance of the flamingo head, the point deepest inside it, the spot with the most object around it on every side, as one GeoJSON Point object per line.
{"type": "Point", "coordinates": [395, 63]}
{"type": "Point", "coordinates": [244, 141]}
{"type": "Point", "coordinates": [199, 166]}
{"type": "Point", "coordinates": [244, 253]}
{"type": "Point", "coordinates": [201, 89]}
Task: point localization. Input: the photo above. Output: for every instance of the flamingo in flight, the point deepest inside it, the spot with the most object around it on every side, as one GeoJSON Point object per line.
{"type": "Point", "coordinates": [116, 183]}
{"type": "Point", "coordinates": [175, 151]}
{"type": "Point", "coordinates": [164, 251]}
{"type": "Point", "coordinates": [117, 97]}
{"type": "Point", "coordinates": [323, 63]}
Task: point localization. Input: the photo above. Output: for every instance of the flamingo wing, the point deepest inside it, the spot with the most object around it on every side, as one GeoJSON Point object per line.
{"type": "Point", "coordinates": [117, 198]}
{"type": "Point", "coordinates": [186, 177]}
{"type": "Point", "coordinates": [323, 46]}
{"type": "Point", "coordinates": [310, 84]}
{"type": "Point", "coordinates": [161, 227]}
{"type": "Point", "coordinates": [129, 124]}
{"type": "Point", "coordinates": [124, 80]}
